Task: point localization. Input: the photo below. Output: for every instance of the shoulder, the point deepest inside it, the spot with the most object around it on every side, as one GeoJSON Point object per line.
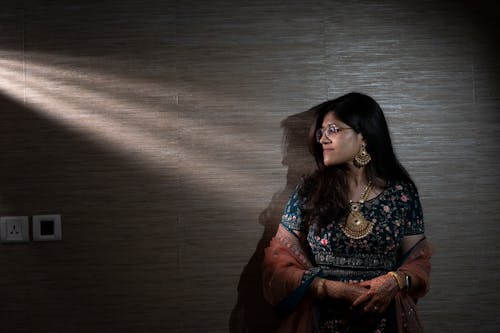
{"type": "Point", "coordinates": [294, 204]}
{"type": "Point", "coordinates": [407, 199]}
{"type": "Point", "coordinates": [292, 218]}
{"type": "Point", "coordinates": [405, 190]}
{"type": "Point", "coordinates": [303, 189]}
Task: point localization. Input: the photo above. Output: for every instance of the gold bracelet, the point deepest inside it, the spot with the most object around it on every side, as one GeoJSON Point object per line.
{"type": "Point", "coordinates": [399, 280]}
{"type": "Point", "coordinates": [321, 289]}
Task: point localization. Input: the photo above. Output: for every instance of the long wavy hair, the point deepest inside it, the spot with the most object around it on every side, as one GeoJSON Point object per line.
{"type": "Point", "coordinates": [327, 189]}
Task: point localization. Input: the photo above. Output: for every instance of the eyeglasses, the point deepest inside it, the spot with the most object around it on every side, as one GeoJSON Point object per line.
{"type": "Point", "coordinates": [330, 132]}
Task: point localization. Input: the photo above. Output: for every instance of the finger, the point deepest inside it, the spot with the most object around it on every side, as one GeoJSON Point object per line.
{"type": "Point", "coordinates": [382, 304]}
{"type": "Point", "coordinates": [361, 299]}
{"type": "Point", "coordinates": [382, 308]}
{"type": "Point", "coordinates": [365, 284]}
{"type": "Point", "coordinates": [371, 306]}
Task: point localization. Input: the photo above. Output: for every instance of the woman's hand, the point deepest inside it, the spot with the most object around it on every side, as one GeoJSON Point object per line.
{"type": "Point", "coordinates": [345, 291]}
{"type": "Point", "coordinates": [379, 293]}
{"type": "Point", "coordinates": [351, 292]}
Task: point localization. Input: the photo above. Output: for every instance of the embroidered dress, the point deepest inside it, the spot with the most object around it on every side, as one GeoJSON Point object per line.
{"type": "Point", "coordinates": [395, 213]}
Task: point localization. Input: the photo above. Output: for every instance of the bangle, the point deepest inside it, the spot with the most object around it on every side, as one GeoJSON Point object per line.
{"type": "Point", "coordinates": [399, 280]}
{"type": "Point", "coordinates": [321, 289]}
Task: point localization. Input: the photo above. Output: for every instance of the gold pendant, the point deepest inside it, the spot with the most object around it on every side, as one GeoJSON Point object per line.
{"type": "Point", "coordinates": [356, 226]}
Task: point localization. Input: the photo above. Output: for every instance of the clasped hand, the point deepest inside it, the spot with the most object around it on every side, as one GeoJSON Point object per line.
{"type": "Point", "coordinates": [379, 293]}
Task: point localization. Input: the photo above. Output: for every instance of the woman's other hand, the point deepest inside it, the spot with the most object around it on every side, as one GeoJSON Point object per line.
{"type": "Point", "coordinates": [339, 290]}
{"type": "Point", "coordinates": [379, 293]}
{"type": "Point", "coordinates": [349, 291]}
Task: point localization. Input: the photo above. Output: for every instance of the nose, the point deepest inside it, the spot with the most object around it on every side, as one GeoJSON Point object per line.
{"type": "Point", "coordinates": [324, 139]}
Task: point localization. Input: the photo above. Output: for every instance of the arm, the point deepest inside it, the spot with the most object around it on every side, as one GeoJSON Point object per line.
{"type": "Point", "coordinates": [417, 265]}
{"type": "Point", "coordinates": [414, 262]}
{"type": "Point", "coordinates": [409, 242]}
{"type": "Point", "coordinates": [284, 266]}
{"type": "Point", "coordinates": [288, 273]}
{"type": "Point", "coordinates": [323, 288]}
{"type": "Point", "coordinates": [383, 289]}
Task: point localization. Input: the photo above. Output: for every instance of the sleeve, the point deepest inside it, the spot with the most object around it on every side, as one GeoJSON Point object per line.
{"type": "Point", "coordinates": [417, 263]}
{"type": "Point", "coordinates": [292, 219]}
{"type": "Point", "coordinates": [287, 270]}
{"type": "Point", "coordinates": [413, 219]}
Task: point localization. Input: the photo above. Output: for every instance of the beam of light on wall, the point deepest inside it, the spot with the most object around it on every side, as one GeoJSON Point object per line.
{"type": "Point", "coordinates": [79, 104]}
{"type": "Point", "coordinates": [123, 92]}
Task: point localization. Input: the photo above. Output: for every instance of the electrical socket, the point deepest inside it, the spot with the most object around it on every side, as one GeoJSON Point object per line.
{"type": "Point", "coordinates": [14, 229]}
{"type": "Point", "coordinates": [47, 228]}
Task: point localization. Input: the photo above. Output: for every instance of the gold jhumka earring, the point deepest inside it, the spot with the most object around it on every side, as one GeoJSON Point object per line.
{"type": "Point", "coordinates": [362, 158]}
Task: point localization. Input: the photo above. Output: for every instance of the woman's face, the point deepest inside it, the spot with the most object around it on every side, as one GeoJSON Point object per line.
{"type": "Point", "coordinates": [342, 146]}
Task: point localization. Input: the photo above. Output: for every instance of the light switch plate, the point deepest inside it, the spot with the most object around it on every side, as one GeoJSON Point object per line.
{"type": "Point", "coordinates": [46, 228]}
{"type": "Point", "coordinates": [14, 229]}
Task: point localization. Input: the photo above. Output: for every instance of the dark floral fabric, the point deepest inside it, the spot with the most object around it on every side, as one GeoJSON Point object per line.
{"type": "Point", "coordinates": [396, 212]}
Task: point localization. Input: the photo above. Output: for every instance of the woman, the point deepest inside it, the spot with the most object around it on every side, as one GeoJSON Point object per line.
{"type": "Point", "coordinates": [350, 253]}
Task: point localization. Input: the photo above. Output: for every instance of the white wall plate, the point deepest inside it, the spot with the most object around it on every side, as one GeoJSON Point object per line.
{"type": "Point", "coordinates": [14, 229]}
{"type": "Point", "coordinates": [46, 228]}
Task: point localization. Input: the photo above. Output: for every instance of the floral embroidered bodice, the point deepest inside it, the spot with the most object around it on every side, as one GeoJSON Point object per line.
{"type": "Point", "coordinates": [395, 212]}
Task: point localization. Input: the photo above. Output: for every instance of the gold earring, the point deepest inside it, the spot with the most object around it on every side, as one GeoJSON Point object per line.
{"type": "Point", "coordinates": [362, 158]}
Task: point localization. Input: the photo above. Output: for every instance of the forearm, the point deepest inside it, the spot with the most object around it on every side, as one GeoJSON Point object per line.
{"type": "Point", "coordinates": [318, 288]}
{"type": "Point", "coordinates": [280, 279]}
{"type": "Point", "coordinates": [408, 281]}
{"type": "Point", "coordinates": [323, 288]}
{"type": "Point", "coordinates": [416, 265]}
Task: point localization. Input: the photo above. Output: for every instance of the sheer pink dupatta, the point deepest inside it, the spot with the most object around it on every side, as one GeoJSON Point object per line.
{"type": "Point", "coordinates": [417, 264]}
{"type": "Point", "coordinates": [284, 265]}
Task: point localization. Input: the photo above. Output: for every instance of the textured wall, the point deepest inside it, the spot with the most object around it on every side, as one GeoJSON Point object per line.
{"type": "Point", "coordinates": [169, 135]}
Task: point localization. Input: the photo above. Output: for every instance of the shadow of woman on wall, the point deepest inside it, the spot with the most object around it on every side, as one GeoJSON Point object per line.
{"type": "Point", "coordinates": [252, 313]}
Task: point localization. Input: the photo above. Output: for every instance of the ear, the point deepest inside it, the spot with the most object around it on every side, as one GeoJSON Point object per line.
{"type": "Point", "coordinates": [362, 139]}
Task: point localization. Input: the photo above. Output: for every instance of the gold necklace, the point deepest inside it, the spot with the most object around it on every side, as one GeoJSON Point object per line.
{"type": "Point", "coordinates": [356, 226]}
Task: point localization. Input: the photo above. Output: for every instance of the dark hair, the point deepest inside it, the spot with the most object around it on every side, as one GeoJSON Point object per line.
{"type": "Point", "coordinates": [326, 190]}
